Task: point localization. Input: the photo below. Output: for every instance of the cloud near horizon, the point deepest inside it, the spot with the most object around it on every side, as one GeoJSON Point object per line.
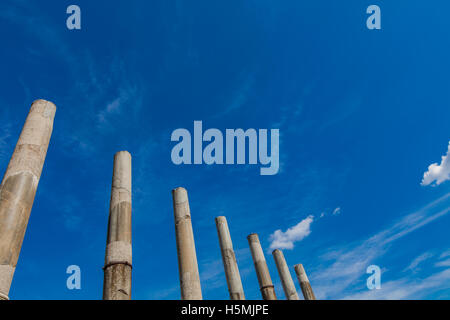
{"type": "Point", "coordinates": [285, 240]}
{"type": "Point", "coordinates": [438, 173]}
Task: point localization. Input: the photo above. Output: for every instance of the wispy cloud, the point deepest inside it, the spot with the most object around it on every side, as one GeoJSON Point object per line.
{"type": "Point", "coordinates": [212, 275]}
{"type": "Point", "coordinates": [5, 134]}
{"type": "Point", "coordinates": [418, 260]}
{"type": "Point", "coordinates": [344, 111]}
{"type": "Point", "coordinates": [406, 288]}
{"type": "Point", "coordinates": [114, 107]}
{"type": "Point", "coordinates": [438, 173]}
{"type": "Point", "coordinates": [164, 293]}
{"type": "Point", "coordinates": [40, 26]}
{"type": "Point", "coordinates": [337, 211]}
{"type": "Point", "coordinates": [445, 254]}
{"type": "Point", "coordinates": [72, 222]}
{"type": "Point", "coordinates": [343, 266]}
{"type": "Point", "coordinates": [286, 240]}
{"type": "Point", "coordinates": [239, 97]}
{"type": "Point", "coordinates": [444, 263]}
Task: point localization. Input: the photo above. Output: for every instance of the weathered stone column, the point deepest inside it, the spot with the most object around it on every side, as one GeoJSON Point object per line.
{"type": "Point", "coordinates": [304, 282]}
{"type": "Point", "coordinates": [19, 186]}
{"type": "Point", "coordinates": [262, 271]}
{"type": "Point", "coordinates": [118, 258]}
{"type": "Point", "coordinates": [187, 257]}
{"type": "Point", "coordinates": [229, 260]}
{"type": "Point", "coordinates": [285, 275]}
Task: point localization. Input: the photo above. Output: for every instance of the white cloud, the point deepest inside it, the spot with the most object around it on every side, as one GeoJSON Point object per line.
{"type": "Point", "coordinates": [438, 173]}
{"type": "Point", "coordinates": [285, 240]}
{"type": "Point", "coordinates": [334, 212]}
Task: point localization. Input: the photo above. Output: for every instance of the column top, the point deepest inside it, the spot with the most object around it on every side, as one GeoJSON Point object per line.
{"type": "Point", "coordinates": [124, 152]}
{"type": "Point", "coordinates": [46, 108]}
{"type": "Point", "coordinates": [221, 219]}
{"type": "Point", "coordinates": [253, 237]}
{"type": "Point", "coordinates": [42, 101]}
{"type": "Point", "coordinates": [180, 195]}
{"type": "Point", "coordinates": [299, 267]}
{"type": "Point", "coordinates": [301, 272]}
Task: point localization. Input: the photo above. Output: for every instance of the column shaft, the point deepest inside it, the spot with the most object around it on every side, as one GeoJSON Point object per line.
{"type": "Point", "coordinates": [19, 186]}
{"type": "Point", "coordinates": [304, 282]}
{"type": "Point", "coordinates": [187, 257]}
{"type": "Point", "coordinates": [262, 271]}
{"type": "Point", "coordinates": [285, 275]}
{"type": "Point", "coordinates": [229, 260]}
{"type": "Point", "coordinates": [118, 258]}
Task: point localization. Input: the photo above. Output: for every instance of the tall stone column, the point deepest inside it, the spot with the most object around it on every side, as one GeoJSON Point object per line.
{"type": "Point", "coordinates": [118, 258]}
{"type": "Point", "coordinates": [262, 271]}
{"type": "Point", "coordinates": [229, 260]}
{"type": "Point", "coordinates": [187, 257]}
{"type": "Point", "coordinates": [285, 275]}
{"type": "Point", "coordinates": [304, 282]}
{"type": "Point", "coordinates": [19, 186]}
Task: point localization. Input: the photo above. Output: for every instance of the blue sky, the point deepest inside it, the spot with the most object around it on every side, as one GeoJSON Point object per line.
{"type": "Point", "coordinates": [362, 115]}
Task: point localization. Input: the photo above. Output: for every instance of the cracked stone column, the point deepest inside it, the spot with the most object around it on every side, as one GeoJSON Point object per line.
{"type": "Point", "coordinates": [187, 257]}
{"type": "Point", "coordinates": [229, 260]}
{"type": "Point", "coordinates": [285, 275]}
{"type": "Point", "coordinates": [262, 271]}
{"type": "Point", "coordinates": [304, 282]}
{"type": "Point", "coordinates": [118, 259]}
{"type": "Point", "coordinates": [19, 186]}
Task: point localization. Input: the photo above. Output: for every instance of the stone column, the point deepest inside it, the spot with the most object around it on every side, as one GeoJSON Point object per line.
{"type": "Point", "coordinates": [304, 282]}
{"type": "Point", "coordinates": [118, 258]}
{"type": "Point", "coordinates": [229, 260]}
{"type": "Point", "coordinates": [19, 186]}
{"type": "Point", "coordinates": [285, 275]}
{"type": "Point", "coordinates": [262, 271]}
{"type": "Point", "coordinates": [187, 257]}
